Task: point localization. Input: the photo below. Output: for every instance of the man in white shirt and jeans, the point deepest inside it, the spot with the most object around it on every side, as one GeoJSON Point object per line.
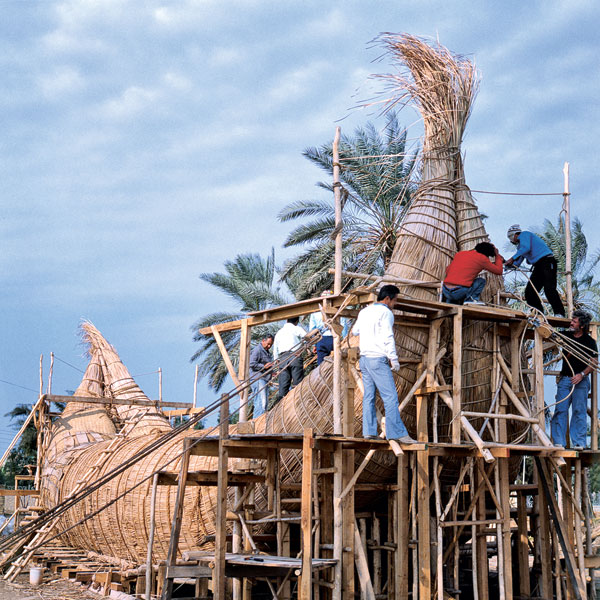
{"type": "Point", "coordinates": [287, 340]}
{"type": "Point", "coordinates": [378, 358]}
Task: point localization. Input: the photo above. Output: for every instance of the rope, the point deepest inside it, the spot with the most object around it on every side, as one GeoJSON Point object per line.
{"type": "Point", "coordinates": [62, 507]}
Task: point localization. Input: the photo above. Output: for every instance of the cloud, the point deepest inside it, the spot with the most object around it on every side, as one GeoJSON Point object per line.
{"type": "Point", "coordinates": [62, 81]}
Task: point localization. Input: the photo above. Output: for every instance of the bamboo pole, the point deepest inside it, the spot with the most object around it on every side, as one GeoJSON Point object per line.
{"type": "Point", "coordinates": [337, 279]}
{"type": "Point", "coordinates": [195, 386]}
{"type": "Point", "coordinates": [577, 520]}
{"type": "Point", "coordinates": [568, 260]}
{"type": "Point", "coordinates": [49, 390]}
{"type": "Point", "coordinates": [243, 367]}
{"type": "Point", "coordinates": [305, 585]}
{"type": "Point", "coordinates": [160, 396]}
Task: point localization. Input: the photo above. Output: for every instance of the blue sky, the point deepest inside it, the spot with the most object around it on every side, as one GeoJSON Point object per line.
{"type": "Point", "coordinates": [144, 143]}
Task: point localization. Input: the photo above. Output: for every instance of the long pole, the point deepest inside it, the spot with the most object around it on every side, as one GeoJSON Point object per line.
{"type": "Point", "coordinates": [337, 285]}
{"type": "Point", "coordinates": [568, 266]}
{"type": "Point", "coordinates": [338, 522]}
{"type": "Point", "coordinates": [337, 280]}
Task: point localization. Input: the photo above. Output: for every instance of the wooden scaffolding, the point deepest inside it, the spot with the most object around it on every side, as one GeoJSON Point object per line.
{"type": "Point", "coordinates": [481, 532]}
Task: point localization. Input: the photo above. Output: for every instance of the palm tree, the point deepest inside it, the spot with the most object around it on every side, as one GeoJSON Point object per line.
{"type": "Point", "coordinates": [586, 288]}
{"type": "Point", "coordinates": [249, 281]}
{"type": "Point", "coordinates": [375, 173]}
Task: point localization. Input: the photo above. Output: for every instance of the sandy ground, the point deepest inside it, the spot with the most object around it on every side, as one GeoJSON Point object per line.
{"type": "Point", "coordinates": [51, 589]}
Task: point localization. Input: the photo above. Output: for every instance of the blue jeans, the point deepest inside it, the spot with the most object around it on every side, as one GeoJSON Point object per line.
{"type": "Point", "coordinates": [376, 374]}
{"type": "Point", "coordinates": [324, 348]}
{"type": "Point", "coordinates": [461, 293]}
{"type": "Point", "coordinates": [578, 402]}
{"type": "Point", "coordinates": [260, 394]}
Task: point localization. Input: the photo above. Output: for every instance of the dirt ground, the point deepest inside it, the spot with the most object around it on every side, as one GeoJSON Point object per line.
{"type": "Point", "coordinates": [51, 589]}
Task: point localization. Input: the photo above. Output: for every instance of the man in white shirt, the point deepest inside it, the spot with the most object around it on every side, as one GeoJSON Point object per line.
{"type": "Point", "coordinates": [287, 340]}
{"type": "Point", "coordinates": [375, 326]}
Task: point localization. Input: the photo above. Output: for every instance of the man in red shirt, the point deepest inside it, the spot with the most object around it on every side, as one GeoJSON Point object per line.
{"type": "Point", "coordinates": [461, 284]}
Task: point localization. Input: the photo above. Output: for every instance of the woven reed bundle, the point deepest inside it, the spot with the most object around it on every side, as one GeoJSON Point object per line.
{"type": "Point", "coordinates": [120, 384]}
{"type": "Point", "coordinates": [443, 218]}
{"type": "Point", "coordinates": [81, 423]}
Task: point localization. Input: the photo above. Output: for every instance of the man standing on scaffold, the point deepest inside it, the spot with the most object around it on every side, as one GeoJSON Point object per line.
{"type": "Point", "coordinates": [579, 360]}
{"type": "Point", "coordinates": [543, 275]}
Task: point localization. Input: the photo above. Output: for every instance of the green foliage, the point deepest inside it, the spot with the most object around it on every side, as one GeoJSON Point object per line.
{"type": "Point", "coordinates": [375, 172]}
{"type": "Point", "coordinates": [250, 281]}
{"type": "Point", "coordinates": [25, 452]}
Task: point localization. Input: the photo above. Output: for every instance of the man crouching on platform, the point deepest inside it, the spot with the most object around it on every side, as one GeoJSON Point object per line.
{"type": "Point", "coordinates": [461, 284]}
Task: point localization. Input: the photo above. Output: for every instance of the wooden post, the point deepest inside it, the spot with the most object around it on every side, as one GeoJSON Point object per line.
{"type": "Point", "coordinates": [50, 373]}
{"type": "Point", "coordinates": [41, 374]}
{"type": "Point", "coordinates": [337, 281]}
{"type": "Point", "coordinates": [218, 579]}
{"type": "Point", "coordinates": [538, 358]}
{"type": "Point", "coordinates": [568, 261]}
{"type": "Point", "coordinates": [456, 374]}
{"type": "Point", "coordinates": [196, 386]}
{"type": "Point", "coordinates": [577, 520]}
{"type": "Point", "coordinates": [481, 541]}
{"type": "Point", "coordinates": [306, 515]}
{"type": "Point", "coordinates": [542, 539]}
{"type": "Point", "coordinates": [160, 396]}
{"type": "Point", "coordinates": [348, 518]}
{"type": "Point", "coordinates": [243, 368]}
{"type": "Point", "coordinates": [152, 515]}
{"type": "Point", "coordinates": [177, 517]}
{"type": "Point", "coordinates": [402, 531]}
{"type": "Point", "coordinates": [523, 545]}
{"type": "Point", "coordinates": [376, 535]}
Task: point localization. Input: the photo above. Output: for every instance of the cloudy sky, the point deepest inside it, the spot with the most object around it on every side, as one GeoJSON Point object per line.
{"type": "Point", "coordinates": [145, 142]}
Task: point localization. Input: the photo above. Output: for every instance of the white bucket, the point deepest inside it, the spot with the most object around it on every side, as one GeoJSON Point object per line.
{"type": "Point", "coordinates": [36, 575]}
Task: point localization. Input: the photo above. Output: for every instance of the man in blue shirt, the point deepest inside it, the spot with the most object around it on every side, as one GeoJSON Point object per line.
{"type": "Point", "coordinates": [543, 276]}
{"type": "Point", "coordinates": [260, 363]}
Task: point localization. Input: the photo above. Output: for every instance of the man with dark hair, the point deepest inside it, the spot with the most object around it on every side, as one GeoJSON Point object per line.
{"type": "Point", "coordinates": [287, 341]}
{"type": "Point", "coordinates": [461, 284]}
{"type": "Point", "coordinates": [543, 275]}
{"type": "Point", "coordinates": [375, 326]}
{"type": "Point", "coordinates": [573, 387]}
{"type": "Point", "coordinates": [260, 363]}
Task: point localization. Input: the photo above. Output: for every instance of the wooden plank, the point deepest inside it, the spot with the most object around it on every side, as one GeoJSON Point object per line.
{"type": "Point", "coordinates": [188, 571]}
{"type": "Point", "coordinates": [306, 515]}
{"type": "Point", "coordinates": [225, 356]}
{"type": "Point", "coordinates": [116, 401]}
{"type": "Point", "coordinates": [210, 478]}
{"type": "Point", "coordinates": [19, 493]}
{"type": "Point", "coordinates": [287, 311]}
